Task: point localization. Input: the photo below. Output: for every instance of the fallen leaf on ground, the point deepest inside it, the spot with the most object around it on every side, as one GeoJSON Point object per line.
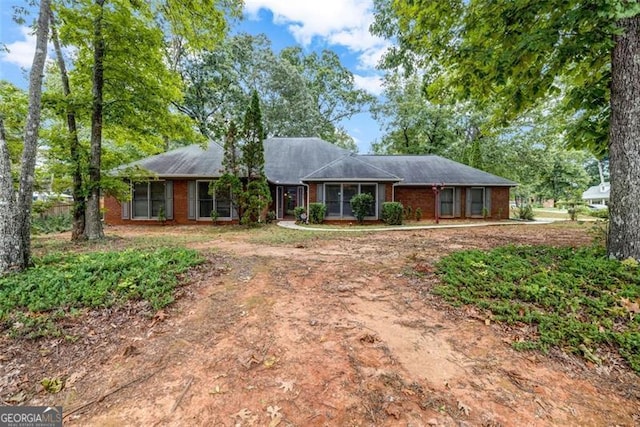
{"type": "Point", "coordinates": [217, 390]}
{"type": "Point", "coordinates": [274, 411]}
{"type": "Point", "coordinates": [286, 386]}
{"type": "Point", "coordinates": [464, 408]}
{"type": "Point", "coordinates": [243, 414]}
{"type": "Point", "coordinates": [159, 317]}
{"type": "Point", "coordinates": [52, 385]}
{"type": "Point", "coordinates": [75, 377]}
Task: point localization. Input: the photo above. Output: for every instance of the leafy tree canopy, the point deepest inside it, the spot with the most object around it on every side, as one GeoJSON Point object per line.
{"type": "Point", "coordinates": [512, 55]}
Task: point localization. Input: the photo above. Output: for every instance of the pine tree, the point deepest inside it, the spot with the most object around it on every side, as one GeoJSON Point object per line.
{"type": "Point", "coordinates": [257, 196]}
{"type": "Point", "coordinates": [253, 132]}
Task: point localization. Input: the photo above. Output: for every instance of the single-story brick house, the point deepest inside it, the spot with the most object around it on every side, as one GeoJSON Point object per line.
{"type": "Point", "coordinates": [307, 170]}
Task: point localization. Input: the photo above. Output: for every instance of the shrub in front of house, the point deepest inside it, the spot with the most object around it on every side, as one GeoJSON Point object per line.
{"type": "Point", "coordinates": [392, 213]}
{"type": "Point", "coordinates": [317, 212]}
{"type": "Point", "coordinates": [525, 212]}
{"type": "Point", "coordinates": [297, 213]}
{"type": "Point", "coordinates": [361, 205]}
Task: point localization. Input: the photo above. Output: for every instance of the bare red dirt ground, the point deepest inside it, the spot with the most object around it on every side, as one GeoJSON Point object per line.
{"type": "Point", "coordinates": [339, 331]}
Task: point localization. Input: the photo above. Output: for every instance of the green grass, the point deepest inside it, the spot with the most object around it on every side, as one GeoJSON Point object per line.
{"type": "Point", "coordinates": [553, 213]}
{"type": "Point", "coordinates": [577, 299]}
{"type": "Point", "coordinates": [275, 235]}
{"type": "Point", "coordinates": [60, 284]}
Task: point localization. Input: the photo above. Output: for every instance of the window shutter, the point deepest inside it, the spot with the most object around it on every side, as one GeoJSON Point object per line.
{"type": "Point", "coordinates": [467, 194]}
{"type": "Point", "coordinates": [456, 202]}
{"type": "Point", "coordinates": [381, 195]}
{"type": "Point", "coordinates": [168, 199]}
{"type": "Point", "coordinates": [126, 206]}
{"type": "Point", "coordinates": [191, 199]}
{"type": "Point", "coordinates": [320, 193]}
{"type": "Point", "coordinates": [487, 200]}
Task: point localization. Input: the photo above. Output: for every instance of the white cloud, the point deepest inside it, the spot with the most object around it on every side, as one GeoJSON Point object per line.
{"type": "Point", "coordinates": [337, 22]}
{"type": "Point", "coordinates": [372, 84]}
{"type": "Point", "coordinates": [21, 51]}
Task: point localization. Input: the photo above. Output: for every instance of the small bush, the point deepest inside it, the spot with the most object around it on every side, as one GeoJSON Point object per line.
{"type": "Point", "coordinates": [392, 213]}
{"type": "Point", "coordinates": [418, 214]}
{"type": "Point", "coordinates": [271, 216]}
{"type": "Point", "coordinates": [297, 213]}
{"type": "Point", "coordinates": [599, 213]}
{"type": "Point", "coordinates": [214, 216]}
{"type": "Point", "coordinates": [361, 205]}
{"type": "Point", "coordinates": [317, 212]}
{"type": "Point", "coordinates": [525, 212]}
{"type": "Point", "coordinates": [407, 212]}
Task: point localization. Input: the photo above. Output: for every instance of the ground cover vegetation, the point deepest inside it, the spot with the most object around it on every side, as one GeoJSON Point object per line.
{"type": "Point", "coordinates": [575, 299]}
{"type": "Point", "coordinates": [60, 284]}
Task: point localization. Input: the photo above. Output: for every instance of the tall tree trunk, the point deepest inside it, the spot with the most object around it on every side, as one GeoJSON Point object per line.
{"type": "Point", "coordinates": [15, 214]}
{"type": "Point", "coordinates": [93, 221]}
{"type": "Point", "coordinates": [79, 200]}
{"type": "Point", "coordinates": [9, 247]}
{"type": "Point", "coordinates": [624, 143]}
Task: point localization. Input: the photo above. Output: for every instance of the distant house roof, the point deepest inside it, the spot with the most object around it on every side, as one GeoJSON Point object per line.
{"type": "Point", "coordinates": [294, 160]}
{"type": "Point", "coordinates": [597, 192]}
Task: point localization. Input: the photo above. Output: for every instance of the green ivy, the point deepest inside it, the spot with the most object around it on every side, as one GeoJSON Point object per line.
{"type": "Point", "coordinates": [64, 282]}
{"type": "Point", "coordinates": [577, 299]}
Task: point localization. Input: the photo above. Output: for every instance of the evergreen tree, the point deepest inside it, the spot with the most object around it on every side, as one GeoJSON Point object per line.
{"type": "Point", "coordinates": [253, 131]}
{"type": "Point", "coordinates": [256, 197]}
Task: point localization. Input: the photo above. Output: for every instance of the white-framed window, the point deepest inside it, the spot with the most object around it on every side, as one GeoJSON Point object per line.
{"type": "Point", "coordinates": [207, 202]}
{"type": "Point", "coordinates": [148, 200]}
{"type": "Point", "coordinates": [337, 198]}
{"type": "Point", "coordinates": [477, 201]}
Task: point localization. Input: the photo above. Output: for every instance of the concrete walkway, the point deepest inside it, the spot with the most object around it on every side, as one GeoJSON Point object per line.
{"type": "Point", "coordinates": [292, 225]}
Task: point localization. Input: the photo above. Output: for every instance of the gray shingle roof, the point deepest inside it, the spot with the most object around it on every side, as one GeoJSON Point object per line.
{"type": "Point", "coordinates": [428, 170]}
{"type": "Point", "coordinates": [600, 191]}
{"type": "Point", "coordinates": [287, 160]}
{"type": "Point", "coordinates": [350, 168]}
{"type": "Point", "coordinates": [191, 161]}
{"type": "Point", "coordinates": [290, 160]}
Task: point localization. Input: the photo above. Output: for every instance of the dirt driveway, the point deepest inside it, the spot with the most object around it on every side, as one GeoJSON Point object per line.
{"type": "Point", "coordinates": [334, 331]}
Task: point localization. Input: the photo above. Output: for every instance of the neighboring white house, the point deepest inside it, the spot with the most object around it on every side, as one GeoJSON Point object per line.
{"type": "Point", "coordinates": [597, 195]}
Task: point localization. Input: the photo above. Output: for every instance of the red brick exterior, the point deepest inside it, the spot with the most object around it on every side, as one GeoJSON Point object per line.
{"type": "Point", "coordinates": [500, 203]}
{"type": "Point", "coordinates": [415, 196]}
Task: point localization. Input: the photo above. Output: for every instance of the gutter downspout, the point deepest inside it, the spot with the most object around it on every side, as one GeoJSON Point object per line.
{"type": "Point", "coordinates": [308, 195]}
{"type": "Point", "coordinates": [393, 191]}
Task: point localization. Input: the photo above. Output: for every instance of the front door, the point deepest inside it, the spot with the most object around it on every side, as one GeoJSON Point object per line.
{"type": "Point", "coordinates": [290, 200]}
{"type": "Point", "coordinates": [279, 202]}
{"type": "Point", "coordinates": [287, 199]}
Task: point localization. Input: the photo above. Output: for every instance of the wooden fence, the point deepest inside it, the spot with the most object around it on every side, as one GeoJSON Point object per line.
{"type": "Point", "coordinates": [59, 208]}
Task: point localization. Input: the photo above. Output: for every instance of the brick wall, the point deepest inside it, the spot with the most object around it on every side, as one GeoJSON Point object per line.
{"type": "Point", "coordinates": [113, 209]}
{"type": "Point", "coordinates": [500, 203]}
{"type": "Point", "coordinates": [417, 197]}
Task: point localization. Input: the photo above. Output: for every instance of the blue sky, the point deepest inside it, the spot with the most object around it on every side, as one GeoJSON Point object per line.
{"type": "Point", "coordinates": [339, 25]}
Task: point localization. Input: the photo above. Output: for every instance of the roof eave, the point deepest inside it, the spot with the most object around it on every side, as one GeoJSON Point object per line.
{"type": "Point", "coordinates": [351, 180]}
